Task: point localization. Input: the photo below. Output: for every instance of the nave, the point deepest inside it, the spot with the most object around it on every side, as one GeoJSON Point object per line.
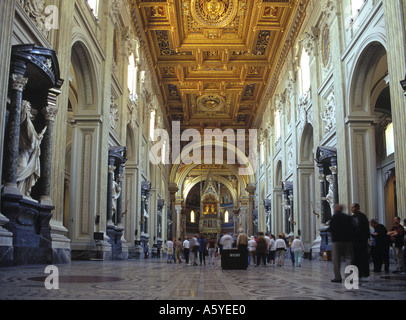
{"type": "Point", "coordinates": [154, 279]}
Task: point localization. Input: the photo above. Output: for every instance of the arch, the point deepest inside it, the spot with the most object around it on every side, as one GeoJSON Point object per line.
{"type": "Point", "coordinates": [362, 74]}
{"type": "Point", "coordinates": [185, 171]}
{"type": "Point", "coordinates": [130, 145]}
{"type": "Point", "coordinates": [306, 145]}
{"type": "Point", "coordinates": [367, 80]}
{"type": "Point", "coordinates": [84, 76]}
{"type": "Point", "coordinates": [222, 180]}
{"type": "Point", "coordinates": [226, 146]}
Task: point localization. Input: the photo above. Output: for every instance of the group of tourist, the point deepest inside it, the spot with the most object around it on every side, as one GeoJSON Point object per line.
{"type": "Point", "coordinates": [353, 240]}
{"type": "Point", "coordinates": [260, 248]}
{"type": "Point", "coordinates": [271, 250]}
{"type": "Point", "coordinates": [194, 248]}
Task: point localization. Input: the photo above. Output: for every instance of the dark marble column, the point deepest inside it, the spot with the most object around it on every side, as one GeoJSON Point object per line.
{"type": "Point", "coordinates": [49, 112]}
{"type": "Point", "coordinates": [12, 133]}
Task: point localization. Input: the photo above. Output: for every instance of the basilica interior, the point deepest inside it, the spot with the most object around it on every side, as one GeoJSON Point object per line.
{"type": "Point", "coordinates": [126, 123]}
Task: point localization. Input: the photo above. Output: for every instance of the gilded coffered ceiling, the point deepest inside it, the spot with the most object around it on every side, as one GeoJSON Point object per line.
{"type": "Point", "coordinates": [216, 61]}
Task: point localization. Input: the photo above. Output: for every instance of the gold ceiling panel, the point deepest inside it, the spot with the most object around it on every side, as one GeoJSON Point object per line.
{"type": "Point", "coordinates": [215, 59]}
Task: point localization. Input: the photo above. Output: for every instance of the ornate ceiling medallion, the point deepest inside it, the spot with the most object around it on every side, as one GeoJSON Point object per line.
{"type": "Point", "coordinates": [214, 13]}
{"type": "Point", "coordinates": [210, 102]}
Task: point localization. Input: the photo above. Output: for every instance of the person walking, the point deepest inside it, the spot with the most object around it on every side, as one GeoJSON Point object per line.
{"type": "Point", "coordinates": [272, 249]}
{"type": "Point", "coordinates": [252, 248]}
{"type": "Point", "coordinates": [242, 245]}
{"type": "Point", "coordinates": [212, 251]}
{"type": "Point", "coordinates": [261, 249]}
{"type": "Point", "coordinates": [380, 249]}
{"type": "Point", "coordinates": [268, 241]}
{"type": "Point", "coordinates": [186, 250]}
{"type": "Point", "coordinates": [202, 249]}
{"type": "Point", "coordinates": [298, 250]}
{"type": "Point", "coordinates": [169, 246]}
{"type": "Point", "coordinates": [194, 245]}
{"type": "Point", "coordinates": [291, 254]}
{"type": "Point", "coordinates": [397, 238]}
{"type": "Point", "coordinates": [280, 250]}
{"type": "Point", "coordinates": [340, 229]}
{"type": "Point", "coordinates": [360, 228]}
{"type": "Point", "coordinates": [178, 248]}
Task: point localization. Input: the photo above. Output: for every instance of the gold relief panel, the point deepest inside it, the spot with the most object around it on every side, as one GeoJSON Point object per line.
{"type": "Point", "coordinates": [270, 12]}
{"type": "Point", "coordinates": [211, 102]}
{"type": "Point", "coordinates": [214, 13]}
{"type": "Point", "coordinates": [158, 12]}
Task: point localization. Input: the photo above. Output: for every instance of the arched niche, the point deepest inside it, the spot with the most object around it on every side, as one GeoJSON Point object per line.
{"type": "Point", "coordinates": [131, 145]}
{"type": "Point", "coordinates": [370, 69]}
{"type": "Point", "coordinates": [278, 175]}
{"type": "Point", "coordinates": [306, 145]}
{"type": "Point", "coordinates": [83, 81]}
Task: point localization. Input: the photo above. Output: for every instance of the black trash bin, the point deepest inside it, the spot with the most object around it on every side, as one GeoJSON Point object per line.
{"type": "Point", "coordinates": [234, 259]}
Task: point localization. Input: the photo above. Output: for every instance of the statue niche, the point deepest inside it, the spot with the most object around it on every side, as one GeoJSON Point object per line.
{"type": "Point", "coordinates": [28, 171]}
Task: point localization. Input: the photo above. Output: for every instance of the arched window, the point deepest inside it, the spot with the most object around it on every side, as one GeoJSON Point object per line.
{"type": "Point", "coordinates": [226, 217]}
{"type": "Point", "coordinates": [304, 73]}
{"type": "Point", "coordinates": [152, 125]}
{"type": "Point", "coordinates": [277, 124]}
{"type": "Point", "coordinates": [94, 5]}
{"type": "Point", "coordinates": [356, 6]}
{"type": "Point", "coordinates": [132, 78]}
{"type": "Point", "coordinates": [389, 140]}
{"type": "Point", "coordinates": [192, 217]}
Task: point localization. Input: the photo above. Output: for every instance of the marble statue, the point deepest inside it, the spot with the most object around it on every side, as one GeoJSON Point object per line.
{"type": "Point", "coordinates": [115, 195]}
{"type": "Point", "coordinates": [330, 194]}
{"type": "Point", "coordinates": [28, 171]}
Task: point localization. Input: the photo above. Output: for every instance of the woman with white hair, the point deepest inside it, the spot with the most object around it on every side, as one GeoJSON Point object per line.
{"type": "Point", "coordinates": [280, 250]}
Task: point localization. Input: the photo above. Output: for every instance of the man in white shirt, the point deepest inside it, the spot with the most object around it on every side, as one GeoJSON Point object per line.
{"type": "Point", "coordinates": [226, 241]}
{"type": "Point", "coordinates": [186, 249]}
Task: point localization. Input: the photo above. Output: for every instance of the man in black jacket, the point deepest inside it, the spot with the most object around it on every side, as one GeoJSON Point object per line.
{"type": "Point", "coordinates": [340, 228]}
{"type": "Point", "coordinates": [361, 233]}
{"type": "Point", "coordinates": [381, 248]}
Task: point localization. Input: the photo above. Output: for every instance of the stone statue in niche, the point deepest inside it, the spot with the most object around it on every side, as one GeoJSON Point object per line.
{"type": "Point", "coordinates": [28, 171]}
{"type": "Point", "coordinates": [330, 194]}
{"type": "Point", "coordinates": [116, 192]}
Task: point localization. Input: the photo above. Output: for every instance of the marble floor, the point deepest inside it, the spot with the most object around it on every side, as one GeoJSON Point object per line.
{"type": "Point", "coordinates": [155, 279]}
